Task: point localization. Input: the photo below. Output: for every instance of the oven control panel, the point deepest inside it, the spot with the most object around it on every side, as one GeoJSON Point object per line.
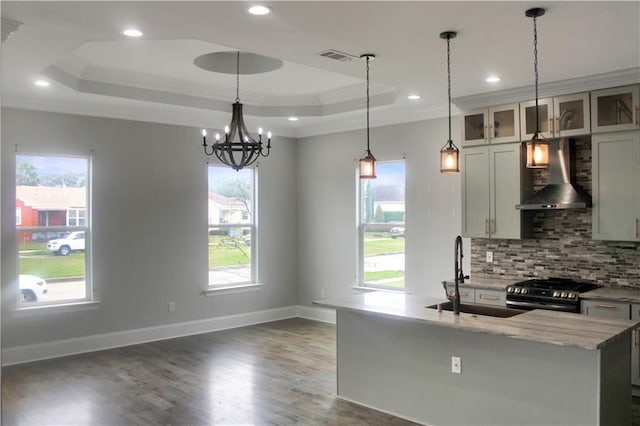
{"type": "Point", "coordinates": [542, 292]}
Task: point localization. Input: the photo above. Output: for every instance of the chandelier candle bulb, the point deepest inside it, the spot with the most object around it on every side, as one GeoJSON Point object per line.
{"type": "Point", "coordinates": [204, 137]}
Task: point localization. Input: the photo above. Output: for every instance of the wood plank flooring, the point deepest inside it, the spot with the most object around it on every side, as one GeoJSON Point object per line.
{"type": "Point", "coordinates": [279, 373]}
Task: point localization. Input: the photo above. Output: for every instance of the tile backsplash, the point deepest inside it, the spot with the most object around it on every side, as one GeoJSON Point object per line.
{"type": "Point", "coordinates": [561, 244]}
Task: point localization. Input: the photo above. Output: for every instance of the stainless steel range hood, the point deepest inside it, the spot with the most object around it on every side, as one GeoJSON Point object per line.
{"type": "Point", "coordinates": [561, 192]}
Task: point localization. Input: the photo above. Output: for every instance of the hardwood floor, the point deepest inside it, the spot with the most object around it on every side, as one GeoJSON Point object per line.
{"type": "Point", "coordinates": [280, 373]}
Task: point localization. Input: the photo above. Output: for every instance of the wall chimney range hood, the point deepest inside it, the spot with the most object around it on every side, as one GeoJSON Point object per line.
{"type": "Point", "coordinates": [560, 192]}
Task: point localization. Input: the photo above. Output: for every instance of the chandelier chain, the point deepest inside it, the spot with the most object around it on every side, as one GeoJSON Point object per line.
{"type": "Point", "coordinates": [367, 103]}
{"type": "Point", "coordinates": [535, 70]}
{"type": "Point", "coordinates": [238, 76]}
{"type": "Point", "coordinates": [449, 81]}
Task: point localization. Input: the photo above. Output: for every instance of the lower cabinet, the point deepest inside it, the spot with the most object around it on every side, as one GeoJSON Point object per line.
{"type": "Point", "coordinates": [619, 310]}
{"type": "Point", "coordinates": [480, 296]}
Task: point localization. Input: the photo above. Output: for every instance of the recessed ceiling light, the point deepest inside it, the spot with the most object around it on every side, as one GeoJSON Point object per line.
{"type": "Point", "coordinates": [42, 83]}
{"type": "Point", "coordinates": [492, 79]}
{"type": "Point", "coordinates": [414, 97]}
{"type": "Point", "coordinates": [292, 118]}
{"type": "Point", "coordinates": [132, 32]}
{"type": "Point", "coordinates": [259, 10]}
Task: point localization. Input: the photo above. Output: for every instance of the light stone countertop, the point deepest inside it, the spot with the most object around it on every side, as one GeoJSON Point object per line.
{"type": "Point", "coordinates": [556, 328]}
{"type": "Point", "coordinates": [614, 294]}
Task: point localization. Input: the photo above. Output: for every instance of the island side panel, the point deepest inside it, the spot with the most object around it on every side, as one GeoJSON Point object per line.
{"type": "Point", "coordinates": [404, 367]}
{"type": "Point", "coordinates": [615, 382]}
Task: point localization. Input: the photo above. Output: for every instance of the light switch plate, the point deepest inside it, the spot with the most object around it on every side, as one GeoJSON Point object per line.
{"type": "Point", "coordinates": [456, 364]}
{"type": "Point", "coordinates": [489, 257]}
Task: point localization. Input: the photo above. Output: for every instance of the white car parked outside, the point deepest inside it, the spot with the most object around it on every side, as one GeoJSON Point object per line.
{"type": "Point", "coordinates": [64, 246]}
{"type": "Point", "coordinates": [32, 288]}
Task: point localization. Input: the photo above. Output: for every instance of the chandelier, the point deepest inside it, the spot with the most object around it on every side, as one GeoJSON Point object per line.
{"type": "Point", "coordinates": [537, 147]}
{"type": "Point", "coordinates": [368, 161]}
{"type": "Point", "coordinates": [245, 150]}
{"type": "Point", "coordinates": [449, 154]}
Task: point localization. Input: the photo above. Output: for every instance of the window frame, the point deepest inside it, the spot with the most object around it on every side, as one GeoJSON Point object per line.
{"type": "Point", "coordinates": [253, 282]}
{"type": "Point", "coordinates": [87, 229]}
{"type": "Point", "coordinates": [361, 229]}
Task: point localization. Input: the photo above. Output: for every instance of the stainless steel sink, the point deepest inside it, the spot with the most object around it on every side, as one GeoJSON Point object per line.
{"type": "Point", "coordinates": [489, 311]}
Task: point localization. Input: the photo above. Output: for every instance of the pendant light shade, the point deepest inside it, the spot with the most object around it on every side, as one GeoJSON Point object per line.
{"type": "Point", "coordinates": [538, 146]}
{"type": "Point", "coordinates": [449, 154]}
{"type": "Point", "coordinates": [368, 161]}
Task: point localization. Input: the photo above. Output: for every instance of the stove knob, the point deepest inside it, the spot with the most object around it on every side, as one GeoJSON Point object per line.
{"type": "Point", "coordinates": [525, 291]}
{"type": "Point", "coordinates": [517, 291]}
{"type": "Point", "coordinates": [556, 294]}
{"type": "Point", "coordinates": [510, 290]}
{"type": "Point", "coordinates": [563, 295]}
{"type": "Point", "coordinates": [572, 295]}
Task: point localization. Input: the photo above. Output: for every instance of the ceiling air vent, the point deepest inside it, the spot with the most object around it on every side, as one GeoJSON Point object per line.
{"type": "Point", "coordinates": [337, 55]}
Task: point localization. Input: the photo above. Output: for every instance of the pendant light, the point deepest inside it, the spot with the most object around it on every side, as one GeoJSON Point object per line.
{"type": "Point", "coordinates": [538, 146]}
{"type": "Point", "coordinates": [449, 154]}
{"type": "Point", "coordinates": [246, 150]}
{"type": "Point", "coordinates": [368, 161]}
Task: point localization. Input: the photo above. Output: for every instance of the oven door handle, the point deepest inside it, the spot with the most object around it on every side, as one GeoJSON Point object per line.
{"type": "Point", "coordinates": [533, 305]}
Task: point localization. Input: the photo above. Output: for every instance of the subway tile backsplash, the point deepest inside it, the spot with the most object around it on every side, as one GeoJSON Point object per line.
{"type": "Point", "coordinates": [561, 244]}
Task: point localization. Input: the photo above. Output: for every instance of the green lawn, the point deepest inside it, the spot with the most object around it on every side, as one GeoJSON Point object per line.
{"type": "Point", "coordinates": [49, 265]}
{"type": "Point", "coordinates": [228, 251]}
{"type": "Point", "coordinates": [383, 246]}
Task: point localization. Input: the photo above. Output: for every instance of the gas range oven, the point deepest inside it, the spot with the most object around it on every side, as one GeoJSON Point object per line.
{"type": "Point", "coordinates": [557, 294]}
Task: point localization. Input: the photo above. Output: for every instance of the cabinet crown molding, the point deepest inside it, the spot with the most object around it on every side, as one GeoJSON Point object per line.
{"type": "Point", "coordinates": [553, 88]}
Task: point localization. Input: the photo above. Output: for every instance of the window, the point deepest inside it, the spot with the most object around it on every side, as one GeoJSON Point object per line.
{"type": "Point", "coordinates": [52, 226]}
{"type": "Point", "coordinates": [231, 226]}
{"type": "Point", "coordinates": [382, 227]}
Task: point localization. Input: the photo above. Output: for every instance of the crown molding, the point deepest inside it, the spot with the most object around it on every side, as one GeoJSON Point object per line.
{"type": "Point", "coordinates": [554, 88]}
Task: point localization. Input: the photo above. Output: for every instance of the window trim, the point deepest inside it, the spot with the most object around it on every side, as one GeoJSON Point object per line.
{"type": "Point", "coordinates": [254, 282]}
{"type": "Point", "coordinates": [62, 305]}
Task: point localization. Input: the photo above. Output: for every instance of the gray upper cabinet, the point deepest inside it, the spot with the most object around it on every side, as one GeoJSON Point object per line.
{"type": "Point", "coordinates": [616, 186]}
{"type": "Point", "coordinates": [491, 188]}
{"type": "Point", "coordinates": [498, 124]}
{"type": "Point", "coordinates": [561, 116]}
{"type": "Point", "coordinates": [615, 109]}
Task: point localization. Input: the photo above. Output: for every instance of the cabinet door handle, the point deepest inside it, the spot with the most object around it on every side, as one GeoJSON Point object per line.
{"type": "Point", "coordinates": [635, 112]}
{"type": "Point", "coordinates": [486, 226]}
{"type": "Point", "coordinates": [486, 132]}
{"type": "Point", "coordinates": [550, 129]}
{"type": "Point", "coordinates": [635, 337]}
{"type": "Point", "coordinates": [492, 226]}
{"type": "Point", "coordinates": [605, 306]}
{"type": "Point", "coordinates": [464, 294]}
{"type": "Point", "coordinates": [556, 127]}
{"type": "Point", "coordinates": [487, 297]}
{"type": "Point", "coordinates": [637, 220]}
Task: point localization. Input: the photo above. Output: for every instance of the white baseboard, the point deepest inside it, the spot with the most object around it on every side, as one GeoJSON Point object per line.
{"type": "Point", "coordinates": [97, 342]}
{"type": "Point", "coordinates": [316, 314]}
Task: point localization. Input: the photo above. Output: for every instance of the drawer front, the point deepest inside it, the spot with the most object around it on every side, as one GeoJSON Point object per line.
{"type": "Point", "coordinates": [467, 295]}
{"type": "Point", "coordinates": [635, 311]}
{"type": "Point", "coordinates": [491, 297]}
{"type": "Point", "coordinates": [605, 309]}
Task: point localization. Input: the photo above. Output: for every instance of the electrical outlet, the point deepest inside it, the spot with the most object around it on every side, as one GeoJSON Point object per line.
{"type": "Point", "coordinates": [172, 307]}
{"type": "Point", "coordinates": [456, 365]}
{"type": "Point", "coordinates": [489, 257]}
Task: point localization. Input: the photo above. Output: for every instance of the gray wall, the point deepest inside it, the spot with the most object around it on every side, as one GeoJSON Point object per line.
{"type": "Point", "coordinates": [149, 225]}
{"type": "Point", "coordinates": [327, 214]}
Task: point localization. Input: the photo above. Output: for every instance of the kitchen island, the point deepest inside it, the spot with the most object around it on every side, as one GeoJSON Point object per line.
{"type": "Point", "coordinates": [535, 368]}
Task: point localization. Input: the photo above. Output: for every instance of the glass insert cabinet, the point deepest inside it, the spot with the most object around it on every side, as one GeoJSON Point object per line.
{"type": "Point", "coordinates": [615, 109]}
{"type": "Point", "coordinates": [498, 124]}
{"type": "Point", "coordinates": [561, 116]}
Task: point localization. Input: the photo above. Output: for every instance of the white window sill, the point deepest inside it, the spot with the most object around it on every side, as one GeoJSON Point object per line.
{"type": "Point", "coordinates": [363, 289]}
{"type": "Point", "coordinates": [22, 312]}
{"type": "Point", "coordinates": [232, 289]}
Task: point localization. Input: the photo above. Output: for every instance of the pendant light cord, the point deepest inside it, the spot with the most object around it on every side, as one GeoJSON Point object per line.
{"type": "Point", "coordinates": [535, 71]}
{"type": "Point", "coordinates": [238, 77]}
{"type": "Point", "coordinates": [367, 103]}
{"type": "Point", "coordinates": [449, 82]}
